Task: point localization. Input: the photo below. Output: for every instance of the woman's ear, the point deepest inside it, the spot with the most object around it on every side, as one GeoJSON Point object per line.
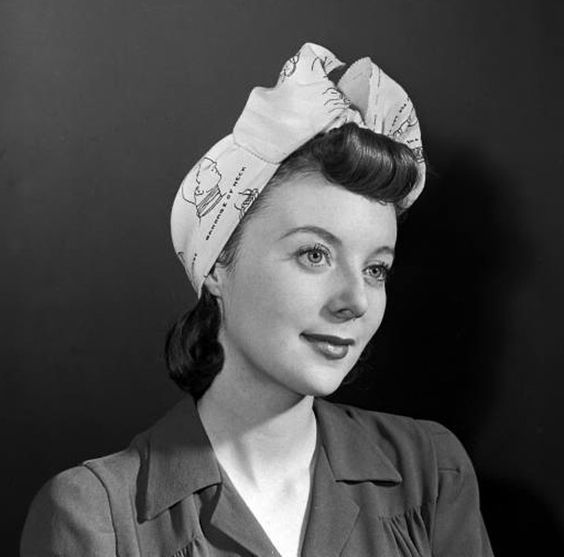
{"type": "Point", "coordinates": [214, 282]}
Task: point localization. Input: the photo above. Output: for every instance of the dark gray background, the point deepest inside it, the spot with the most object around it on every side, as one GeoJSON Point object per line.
{"type": "Point", "coordinates": [107, 104]}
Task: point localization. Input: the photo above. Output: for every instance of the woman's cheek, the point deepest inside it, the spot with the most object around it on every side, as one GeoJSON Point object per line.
{"type": "Point", "coordinates": [289, 292]}
{"type": "Point", "coordinates": [379, 310]}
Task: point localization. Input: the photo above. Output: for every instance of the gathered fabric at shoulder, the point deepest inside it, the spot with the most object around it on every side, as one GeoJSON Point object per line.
{"type": "Point", "coordinates": [458, 527]}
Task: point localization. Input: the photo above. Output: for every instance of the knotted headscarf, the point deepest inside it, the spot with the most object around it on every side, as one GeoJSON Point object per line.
{"type": "Point", "coordinates": [275, 122]}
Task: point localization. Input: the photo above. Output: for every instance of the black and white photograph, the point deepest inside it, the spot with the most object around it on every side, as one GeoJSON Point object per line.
{"type": "Point", "coordinates": [282, 278]}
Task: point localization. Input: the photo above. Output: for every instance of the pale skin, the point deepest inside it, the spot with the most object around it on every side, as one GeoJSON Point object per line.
{"type": "Point", "coordinates": [328, 278]}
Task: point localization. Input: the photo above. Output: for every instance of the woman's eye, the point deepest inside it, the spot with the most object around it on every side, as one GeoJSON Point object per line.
{"type": "Point", "coordinates": [379, 272]}
{"type": "Point", "coordinates": [315, 256]}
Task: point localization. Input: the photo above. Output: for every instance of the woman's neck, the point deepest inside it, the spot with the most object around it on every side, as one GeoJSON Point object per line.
{"type": "Point", "coordinates": [260, 435]}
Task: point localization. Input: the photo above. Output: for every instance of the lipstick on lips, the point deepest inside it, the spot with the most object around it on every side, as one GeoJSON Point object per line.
{"type": "Point", "coordinates": [333, 348]}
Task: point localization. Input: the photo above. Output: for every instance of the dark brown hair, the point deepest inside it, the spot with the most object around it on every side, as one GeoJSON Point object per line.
{"type": "Point", "coordinates": [361, 161]}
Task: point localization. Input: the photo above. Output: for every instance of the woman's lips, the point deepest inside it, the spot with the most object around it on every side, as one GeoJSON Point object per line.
{"type": "Point", "coordinates": [333, 348]}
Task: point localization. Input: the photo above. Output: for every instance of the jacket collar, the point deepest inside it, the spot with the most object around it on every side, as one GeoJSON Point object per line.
{"type": "Point", "coordinates": [178, 460]}
{"type": "Point", "coordinates": [352, 448]}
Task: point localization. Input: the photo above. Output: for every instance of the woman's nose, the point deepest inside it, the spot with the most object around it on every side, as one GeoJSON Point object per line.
{"type": "Point", "coordinates": [350, 299]}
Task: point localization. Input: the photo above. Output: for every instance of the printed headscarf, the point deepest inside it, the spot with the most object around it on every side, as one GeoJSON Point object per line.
{"type": "Point", "coordinates": [275, 122]}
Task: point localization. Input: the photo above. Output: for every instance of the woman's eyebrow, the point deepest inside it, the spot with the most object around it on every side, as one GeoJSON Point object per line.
{"type": "Point", "coordinates": [325, 234]}
{"type": "Point", "coordinates": [331, 238]}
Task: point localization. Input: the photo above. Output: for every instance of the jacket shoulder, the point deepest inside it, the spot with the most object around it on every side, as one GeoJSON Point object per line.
{"type": "Point", "coordinates": [405, 431]}
{"type": "Point", "coordinates": [77, 484]}
{"type": "Point", "coordinates": [419, 446]}
{"type": "Point", "coordinates": [70, 515]}
{"type": "Point", "coordinates": [400, 431]}
{"type": "Point", "coordinates": [77, 511]}
{"type": "Point", "coordinates": [117, 471]}
{"type": "Point", "coordinates": [451, 454]}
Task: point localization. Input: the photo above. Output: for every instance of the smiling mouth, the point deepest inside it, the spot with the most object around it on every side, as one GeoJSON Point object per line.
{"type": "Point", "coordinates": [333, 348]}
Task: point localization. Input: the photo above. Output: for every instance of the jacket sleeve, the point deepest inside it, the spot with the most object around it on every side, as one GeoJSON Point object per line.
{"type": "Point", "coordinates": [458, 527]}
{"type": "Point", "coordinates": [70, 516]}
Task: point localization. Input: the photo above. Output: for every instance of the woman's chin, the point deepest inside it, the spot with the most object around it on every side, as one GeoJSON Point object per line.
{"type": "Point", "coordinates": [323, 391]}
{"type": "Point", "coordinates": [322, 386]}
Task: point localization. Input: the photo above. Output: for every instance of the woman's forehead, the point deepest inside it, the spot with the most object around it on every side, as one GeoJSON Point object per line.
{"type": "Point", "coordinates": [311, 201]}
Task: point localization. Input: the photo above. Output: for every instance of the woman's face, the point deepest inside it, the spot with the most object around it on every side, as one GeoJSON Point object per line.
{"type": "Point", "coordinates": [308, 288]}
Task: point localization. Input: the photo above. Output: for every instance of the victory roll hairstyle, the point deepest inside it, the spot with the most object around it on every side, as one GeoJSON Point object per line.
{"type": "Point", "coordinates": [357, 159]}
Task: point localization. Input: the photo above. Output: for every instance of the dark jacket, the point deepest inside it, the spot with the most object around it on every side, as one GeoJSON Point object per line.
{"type": "Point", "coordinates": [383, 485]}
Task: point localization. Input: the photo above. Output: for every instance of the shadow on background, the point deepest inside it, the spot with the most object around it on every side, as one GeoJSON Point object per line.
{"type": "Point", "coordinates": [438, 353]}
{"type": "Point", "coordinates": [518, 521]}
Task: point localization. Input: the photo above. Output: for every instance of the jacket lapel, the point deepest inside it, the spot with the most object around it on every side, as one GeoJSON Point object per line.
{"type": "Point", "coordinates": [232, 517]}
{"type": "Point", "coordinates": [332, 513]}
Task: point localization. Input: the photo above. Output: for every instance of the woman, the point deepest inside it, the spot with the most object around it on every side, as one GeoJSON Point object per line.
{"type": "Point", "coordinates": [286, 229]}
